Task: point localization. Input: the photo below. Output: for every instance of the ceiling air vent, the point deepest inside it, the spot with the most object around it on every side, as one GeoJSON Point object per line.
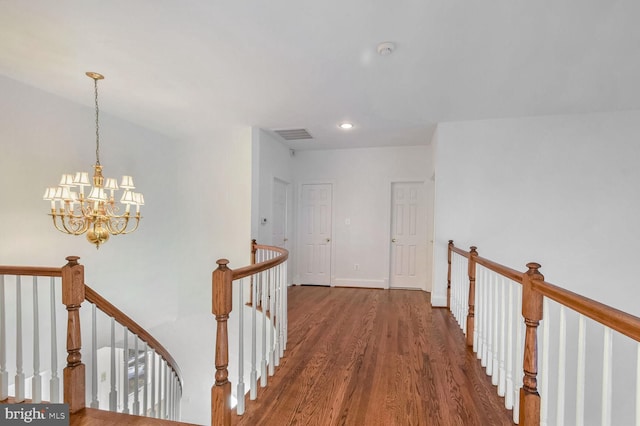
{"type": "Point", "coordinates": [293, 134]}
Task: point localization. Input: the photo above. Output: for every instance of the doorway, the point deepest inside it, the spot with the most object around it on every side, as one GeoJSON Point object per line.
{"type": "Point", "coordinates": [315, 233]}
{"type": "Point", "coordinates": [408, 267]}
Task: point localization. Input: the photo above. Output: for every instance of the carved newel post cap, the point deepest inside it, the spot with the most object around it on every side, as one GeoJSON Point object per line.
{"type": "Point", "coordinates": [73, 260]}
{"type": "Point", "coordinates": [450, 242]}
{"type": "Point", "coordinates": [222, 262]}
{"type": "Point", "coordinates": [533, 266]}
{"type": "Point", "coordinates": [474, 249]}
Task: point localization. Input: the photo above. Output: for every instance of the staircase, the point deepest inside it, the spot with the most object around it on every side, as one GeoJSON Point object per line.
{"type": "Point", "coordinates": [124, 375]}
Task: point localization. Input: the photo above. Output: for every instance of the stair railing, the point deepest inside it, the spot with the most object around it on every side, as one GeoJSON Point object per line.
{"type": "Point", "coordinates": [153, 373]}
{"type": "Point", "coordinates": [485, 298]}
{"type": "Point", "coordinates": [265, 281]}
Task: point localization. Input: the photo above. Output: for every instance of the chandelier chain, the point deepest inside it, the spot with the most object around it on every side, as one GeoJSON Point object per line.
{"type": "Point", "coordinates": [95, 81]}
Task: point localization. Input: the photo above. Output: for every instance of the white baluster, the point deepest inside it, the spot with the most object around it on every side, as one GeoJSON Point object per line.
{"type": "Point", "coordinates": [638, 384]}
{"type": "Point", "coordinates": [36, 380]}
{"type": "Point", "coordinates": [581, 373]}
{"type": "Point", "coordinates": [94, 359]}
{"type": "Point", "coordinates": [478, 324]}
{"type": "Point", "coordinates": [240, 388]}
{"type": "Point", "coordinates": [490, 318]}
{"type": "Point", "coordinates": [281, 295]}
{"type": "Point", "coordinates": [496, 338]}
{"type": "Point", "coordinates": [253, 386]}
{"type": "Point", "coordinates": [518, 366]}
{"type": "Point", "coordinates": [152, 403]}
{"type": "Point", "coordinates": [480, 290]}
{"type": "Point", "coordinates": [145, 389]}
{"type": "Point", "coordinates": [136, 375]}
{"type": "Point", "coordinates": [113, 394]}
{"type": "Point", "coordinates": [276, 317]}
{"type": "Point", "coordinates": [607, 370]}
{"type": "Point", "coordinates": [4, 374]}
{"type": "Point", "coordinates": [125, 369]}
{"type": "Point", "coordinates": [54, 383]}
{"type": "Point", "coordinates": [562, 365]}
{"type": "Point", "coordinates": [167, 391]}
{"type": "Point", "coordinates": [544, 370]}
{"type": "Point", "coordinates": [454, 287]}
{"type": "Point", "coordinates": [263, 303]}
{"type": "Point", "coordinates": [172, 392]}
{"type": "Point", "coordinates": [285, 299]}
{"type": "Point", "coordinates": [508, 397]}
{"type": "Point", "coordinates": [502, 383]}
{"type": "Point", "coordinates": [464, 295]}
{"type": "Point", "coordinates": [19, 380]}
{"type": "Point", "coordinates": [487, 320]}
{"type": "Point", "coordinates": [272, 319]}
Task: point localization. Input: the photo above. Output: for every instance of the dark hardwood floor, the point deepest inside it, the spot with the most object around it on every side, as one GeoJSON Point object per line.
{"type": "Point", "coordinates": [374, 357]}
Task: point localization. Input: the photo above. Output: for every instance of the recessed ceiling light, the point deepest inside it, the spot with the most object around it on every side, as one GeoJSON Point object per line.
{"type": "Point", "coordinates": [345, 126]}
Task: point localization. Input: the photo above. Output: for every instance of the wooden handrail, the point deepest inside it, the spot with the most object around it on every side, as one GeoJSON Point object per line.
{"type": "Point", "coordinates": [458, 250]}
{"type": "Point", "coordinates": [617, 320]}
{"type": "Point", "coordinates": [38, 271]}
{"type": "Point", "coordinates": [222, 280]}
{"type": "Point", "coordinates": [74, 292]}
{"type": "Point", "coordinates": [123, 319]}
{"type": "Point", "coordinates": [534, 288]}
{"type": "Point", "coordinates": [249, 270]}
{"type": "Point", "coordinates": [505, 271]}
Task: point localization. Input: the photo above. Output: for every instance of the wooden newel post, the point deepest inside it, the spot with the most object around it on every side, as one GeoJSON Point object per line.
{"type": "Point", "coordinates": [532, 313]}
{"type": "Point", "coordinates": [221, 390]}
{"type": "Point", "coordinates": [471, 316]}
{"type": "Point", "coordinates": [72, 297]}
{"type": "Point", "coordinates": [449, 247]}
{"type": "Point", "coordinates": [254, 250]}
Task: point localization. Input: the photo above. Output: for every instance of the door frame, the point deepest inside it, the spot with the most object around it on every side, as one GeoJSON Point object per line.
{"type": "Point", "coordinates": [425, 183]}
{"type": "Point", "coordinates": [287, 230]}
{"type": "Point", "coordinates": [298, 242]}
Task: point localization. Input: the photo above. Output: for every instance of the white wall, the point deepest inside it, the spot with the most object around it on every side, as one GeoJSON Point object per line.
{"type": "Point", "coordinates": [362, 192]}
{"type": "Point", "coordinates": [197, 194]}
{"type": "Point", "coordinates": [274, 162]}
{"type": "Point", "coordinates": [562, 191]}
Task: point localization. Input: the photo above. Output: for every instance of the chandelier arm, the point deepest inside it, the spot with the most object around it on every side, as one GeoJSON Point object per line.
{"type": "Point", "coordinates": [83, 222]}
{"type": "Point", "coordinates": [137, 217]}
{"type": "Point", "coordinates": [118, 224]}
{"type": "Point", "coordinates": [55, 223]}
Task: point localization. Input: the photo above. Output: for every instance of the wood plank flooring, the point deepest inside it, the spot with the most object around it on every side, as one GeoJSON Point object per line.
{"type": "Point", "coordinates": [374, 357]}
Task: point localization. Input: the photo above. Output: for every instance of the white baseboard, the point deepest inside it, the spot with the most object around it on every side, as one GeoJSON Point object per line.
{"type": "Point", "coordinates": [364, 283]}
{"type": "Point", "coordinates": [438, 301]}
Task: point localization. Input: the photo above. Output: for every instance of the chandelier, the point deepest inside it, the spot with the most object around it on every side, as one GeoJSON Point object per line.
{"type": "Point", "coordinates": [97, 214]}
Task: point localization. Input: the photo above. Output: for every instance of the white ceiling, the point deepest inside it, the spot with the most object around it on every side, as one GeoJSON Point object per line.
{"type": "Point", "coordinates": [183, 67]}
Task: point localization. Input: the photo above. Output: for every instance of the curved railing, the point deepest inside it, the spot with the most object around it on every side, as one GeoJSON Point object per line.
{"type": "Point", "coordinates": [145, 389]}
{"type": "Point", "coordinates": [265, 280]}
{"type": "Point", "coordinates": [486, 297]}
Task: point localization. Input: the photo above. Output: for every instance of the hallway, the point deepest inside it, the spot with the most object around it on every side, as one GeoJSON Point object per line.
{"type": "Point", "coordinates": [374, 357]}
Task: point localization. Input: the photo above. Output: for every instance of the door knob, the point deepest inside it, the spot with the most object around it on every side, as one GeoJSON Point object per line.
{"type": "Point", "coordinates": [393, 240]}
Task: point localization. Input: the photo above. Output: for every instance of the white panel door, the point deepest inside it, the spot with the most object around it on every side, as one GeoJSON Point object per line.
{"type": "Point", "coordinates": [408, 235]}
{"type": "Point", "coordinates": [279, 228]}
{"type": "Point", "coordinates": [315, 234]}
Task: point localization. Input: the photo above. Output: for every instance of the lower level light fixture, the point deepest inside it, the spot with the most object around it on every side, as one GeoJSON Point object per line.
{"type": "Point", "coordinates": [95, 214]}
